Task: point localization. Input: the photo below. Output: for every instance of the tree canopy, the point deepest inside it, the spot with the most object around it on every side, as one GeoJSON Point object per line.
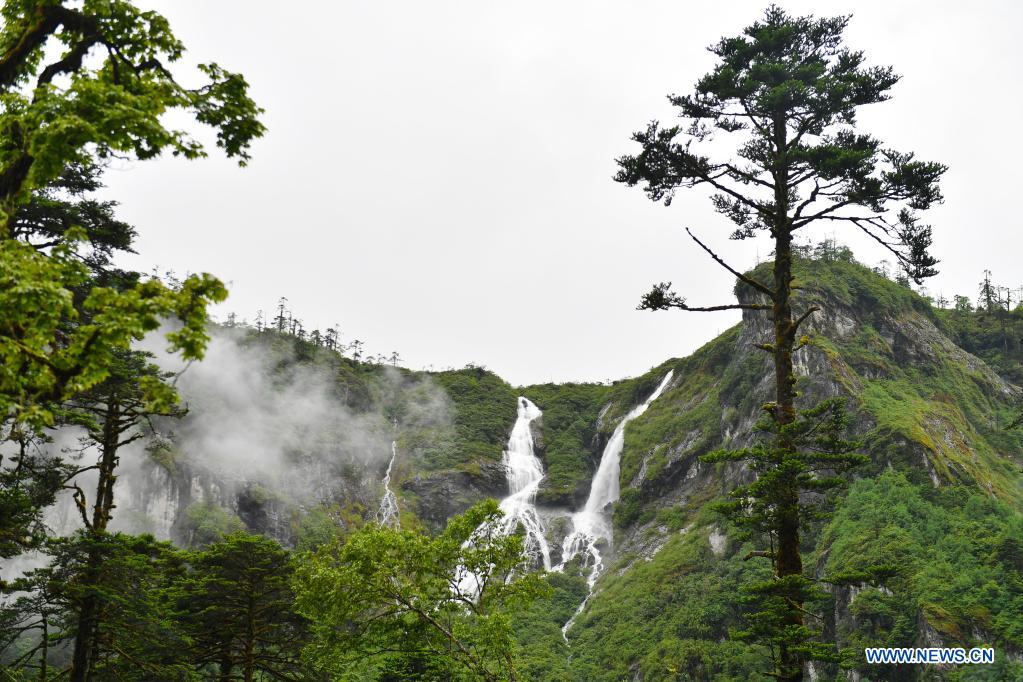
{"type": "Point", "coordinates": [403, 605]}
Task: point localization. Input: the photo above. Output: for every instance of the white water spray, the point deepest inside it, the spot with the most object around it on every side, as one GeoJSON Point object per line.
{"type": "Point", "coordinates": [524, 472]}
{"type": "Point", "coordinates": [387, 515]}
{"type": "Point", "coordinates": [592, 524]}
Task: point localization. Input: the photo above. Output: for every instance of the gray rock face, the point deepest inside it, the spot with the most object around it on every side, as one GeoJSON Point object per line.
{"type": "Point", "coordinates": [158, 500]}
{"type": "Point", "coordinates": [444, 494]}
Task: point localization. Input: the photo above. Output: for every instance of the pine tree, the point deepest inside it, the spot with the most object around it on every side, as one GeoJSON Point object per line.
{"type": "Point", "coordinates": [787, 91]}
{"type": "Point", "coordinates": [31, 620]}
{"type": "Point", "coordinates": [988, 298]}
{"type": "Point", "coordinates": [355, 347]}
{"type": "Point", "coordinates": [283, 314]}
{"type": "Point", "coordinates": [138, 637]}
{"type": "Point", "coordinates": [332, 337]}
{"type": "Point", "coordinates": [30, 479]}
{"type": "Point", "coordinates": [237, 609]}
{"type": "Point", "coordinates": [113, 414]}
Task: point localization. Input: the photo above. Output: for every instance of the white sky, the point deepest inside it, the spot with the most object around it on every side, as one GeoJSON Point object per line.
{"type": "Point", "coordinates": [437, 175]}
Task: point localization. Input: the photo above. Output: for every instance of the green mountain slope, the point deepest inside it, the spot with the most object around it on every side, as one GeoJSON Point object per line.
{"type": "Point", "coordinates": [940, 504]}
{"type": "Point", "coordinates": [940, 501]}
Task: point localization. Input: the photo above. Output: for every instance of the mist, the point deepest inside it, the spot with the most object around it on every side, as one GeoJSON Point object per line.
{"type": "Point", "coordinates": [271, 432]}
{"type": "Point", "coordinates": [273, 424]}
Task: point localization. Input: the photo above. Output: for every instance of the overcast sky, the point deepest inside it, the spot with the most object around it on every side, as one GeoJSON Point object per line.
{"type": "Point", "coordinates": [436, 177]}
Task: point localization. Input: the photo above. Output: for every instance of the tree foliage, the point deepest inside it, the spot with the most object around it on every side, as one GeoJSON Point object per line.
{"type": "Point", "coordinates": [394, 604]}
{"type": "Point", "coordinates": [236, 607]}
{"type": "Point", "coordinates": [81, 82]}
{"type": "Point", "coordinates": [788, 91]}
{"type": "Point", "coordinates": [812, 464]}
{"type": "Point", "coordinates": [165, 614]}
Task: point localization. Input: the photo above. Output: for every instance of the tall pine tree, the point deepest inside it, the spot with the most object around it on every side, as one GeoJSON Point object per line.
{"type": "Point", "coordinates": [786, 92]}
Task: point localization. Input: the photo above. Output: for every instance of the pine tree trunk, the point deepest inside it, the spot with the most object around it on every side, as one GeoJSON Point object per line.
{"type": "Point", "coordinates": [787, 558]}
{"type": "Point", "coordinates": [83, 657]}
{"type": "Point", "coordinates": [45, 651]}
{"type": "Point", "coordinates": [81, 660]}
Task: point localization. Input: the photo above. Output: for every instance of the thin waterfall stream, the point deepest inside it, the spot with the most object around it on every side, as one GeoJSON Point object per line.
{"type": "Point", "coordinates": [592, 524]}
{"type": "Point", "coordinates": [387, 514]}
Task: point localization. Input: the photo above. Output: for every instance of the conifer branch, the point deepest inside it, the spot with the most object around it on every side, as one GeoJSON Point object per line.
{"type": "Point", "coordinates": [748, 280]}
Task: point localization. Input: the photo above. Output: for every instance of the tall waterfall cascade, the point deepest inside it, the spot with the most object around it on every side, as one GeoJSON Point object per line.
{"type": "Point", "coordinates": [592, 524]}
{"type": "Point", "coordinates": [524, 472]}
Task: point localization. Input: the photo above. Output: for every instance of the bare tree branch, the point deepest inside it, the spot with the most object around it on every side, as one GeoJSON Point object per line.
{"type": "Point", "coordinates": [802, 318]}
{"type": "Point", "coordinates": [748, 280]}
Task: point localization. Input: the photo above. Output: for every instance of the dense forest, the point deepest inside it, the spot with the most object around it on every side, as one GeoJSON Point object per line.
{"type": "Point", "coordinates": [187, 499]}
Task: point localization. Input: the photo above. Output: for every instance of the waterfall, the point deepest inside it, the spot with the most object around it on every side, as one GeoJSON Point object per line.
{"type": "Point", "coordinates": [592, 524]}
{"type": "Point", "coordinates": [387, 515]}
{"type": "Point", "coordinates": [524, 472]}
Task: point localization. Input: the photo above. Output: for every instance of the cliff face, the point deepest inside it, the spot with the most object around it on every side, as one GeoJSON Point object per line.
{"type": "Point", "coordinates": [940, 501]}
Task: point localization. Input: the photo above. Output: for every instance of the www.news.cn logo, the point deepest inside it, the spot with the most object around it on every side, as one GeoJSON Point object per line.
{"type": "Point", "coordinates": [930, 656]}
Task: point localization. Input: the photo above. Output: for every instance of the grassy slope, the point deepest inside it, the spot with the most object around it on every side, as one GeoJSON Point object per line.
{"type": "Point", "coordinates": [569, 430]}
{"type": "Point", "coordinates": [484, 411]}
{"type": "Point", "coordinates": [996, 336]}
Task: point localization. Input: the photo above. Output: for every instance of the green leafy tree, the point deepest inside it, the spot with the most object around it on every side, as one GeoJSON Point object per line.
{"type": "Point", "coordinates": [786, 92]}
{"type": "Point", "coordinates": [81, 82]}
{"type": "Point", "coordinates": [393, 604]}
{"type": "Point", "coordinates": [32, 478]}
{"type": "Point", "coordinates": [93, 79]}
{"type": "Point", "coordinates": [237, 607]}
